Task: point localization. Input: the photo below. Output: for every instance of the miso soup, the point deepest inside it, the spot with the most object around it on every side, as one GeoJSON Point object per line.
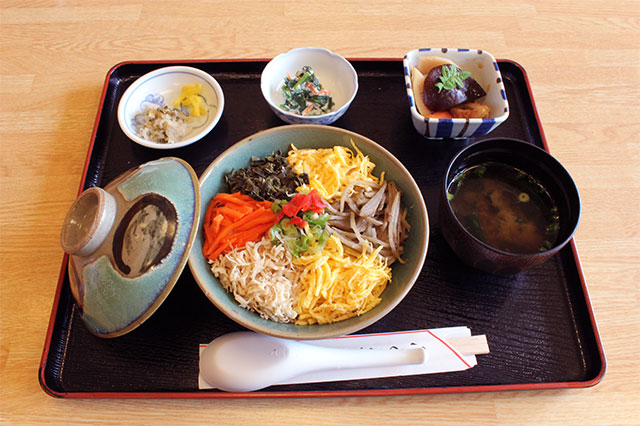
{"type": "Point", "coordinates": [505, 208]}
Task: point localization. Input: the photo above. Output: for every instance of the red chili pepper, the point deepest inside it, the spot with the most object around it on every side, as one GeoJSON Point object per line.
{"type": "Point", "coordinates": [317, 202]}
{"type": "Point", "coordinates": [306, 202]}
{"type": "Point", "coordinates": [293, 206]}
{"type": "Point", "coordinates": [302, 202]}
{"type": "Point", "coordinates": [298, 221]}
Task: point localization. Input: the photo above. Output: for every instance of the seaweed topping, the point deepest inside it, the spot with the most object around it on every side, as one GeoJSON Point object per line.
{"type": "Point", "coordinates": [269, 178]}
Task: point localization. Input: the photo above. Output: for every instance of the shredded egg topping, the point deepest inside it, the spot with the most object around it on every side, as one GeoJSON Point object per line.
{"type": "Point", "coordinates": [331, 170]}
{"type": "Point", "coordinates": [336, 285]}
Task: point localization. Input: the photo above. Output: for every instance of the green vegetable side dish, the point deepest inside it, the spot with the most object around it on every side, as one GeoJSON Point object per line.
{"type": "Point", "coordinates": [451, 78]}
{"type": "Point", "coordinates": [304, 95]}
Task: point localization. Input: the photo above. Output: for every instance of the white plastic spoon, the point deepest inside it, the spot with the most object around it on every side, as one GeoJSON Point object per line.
{"type": "Point", "coordinates": [247, 361]}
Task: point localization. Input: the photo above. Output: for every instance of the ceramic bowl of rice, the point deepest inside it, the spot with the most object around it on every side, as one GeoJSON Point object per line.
{"type": "Point", "coordinates": [374, 240]}
{"type": "Point", "coordinates": [170, 107]}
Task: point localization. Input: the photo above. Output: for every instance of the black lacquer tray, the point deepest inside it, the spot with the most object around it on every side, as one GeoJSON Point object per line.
{"type": "Point", "coordinates": [539, 324]}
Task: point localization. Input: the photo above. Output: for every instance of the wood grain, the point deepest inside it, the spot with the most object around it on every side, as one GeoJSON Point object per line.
{"type": "Point", "coordinates": [583, 62]}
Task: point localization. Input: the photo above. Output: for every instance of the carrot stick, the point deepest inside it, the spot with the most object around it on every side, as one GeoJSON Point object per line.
{"type": "Point", "coordinates": [215, 253]}
{"type": "Point", "coordinates": [307, 110]}
{"type": "Point", "coordinates": [220, 235]}
{"type": "Point", "coordinates": [312, 88]}
{"type": "Point", "coordinates": [209, 213]}
{"type": "Point", "coordinates": [256, 213]}
{"type": "Point", "coordinates": [235, 214]}
{"type": "Point", "coordinates": [241, 206]}
{"type": "Point", "coordinates": [208, 232]}
{"type": "Point", "coordinates": [232, 220]}
{"type": "Point", "coordinates": [236, 197]}
{"type": "Point", "coordinates": [241, 238]}
{"type": "Point", "coordinates": [257, 222]}
{"type": "Point", "coordinates": [215, 223]}
{"type": "Point", "coordinates": [441, 114]}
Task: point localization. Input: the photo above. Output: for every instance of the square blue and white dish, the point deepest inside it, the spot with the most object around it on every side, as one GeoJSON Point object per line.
{"type": "Point", "coordinates": [483, 68]}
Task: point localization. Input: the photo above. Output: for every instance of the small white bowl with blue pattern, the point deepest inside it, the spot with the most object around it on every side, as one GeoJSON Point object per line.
{"type": "Point", "coordinates": [484, 69]}
{"type": "Point", "coordinates": [162, 87]}
{"type": "Point", "coordinates": [334, 73]}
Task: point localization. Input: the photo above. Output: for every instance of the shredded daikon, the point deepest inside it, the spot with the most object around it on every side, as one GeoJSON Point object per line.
{"type": "Point", "coordinates": [261, 278]}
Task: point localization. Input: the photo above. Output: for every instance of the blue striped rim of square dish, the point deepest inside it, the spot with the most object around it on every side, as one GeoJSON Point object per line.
{"type": "Point", "coordinates": [445, 127]}
{"type": "Point", "coordinates": [487, 124]}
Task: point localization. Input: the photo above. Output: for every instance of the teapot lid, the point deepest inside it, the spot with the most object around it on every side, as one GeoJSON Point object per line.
{"type": "Point", "coordinates": [129, 242]}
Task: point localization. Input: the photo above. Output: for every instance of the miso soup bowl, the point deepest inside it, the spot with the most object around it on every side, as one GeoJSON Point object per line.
{"type": "Point", "coordinates": [532, 160]}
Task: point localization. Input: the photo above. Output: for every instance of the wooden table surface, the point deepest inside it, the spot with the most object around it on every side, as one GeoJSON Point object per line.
{"type": "Point", "coordinates": [583, 61]}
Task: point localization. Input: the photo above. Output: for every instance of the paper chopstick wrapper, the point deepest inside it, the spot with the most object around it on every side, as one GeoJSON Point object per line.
{"type": "Point", "coordinates": [448, 349]}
